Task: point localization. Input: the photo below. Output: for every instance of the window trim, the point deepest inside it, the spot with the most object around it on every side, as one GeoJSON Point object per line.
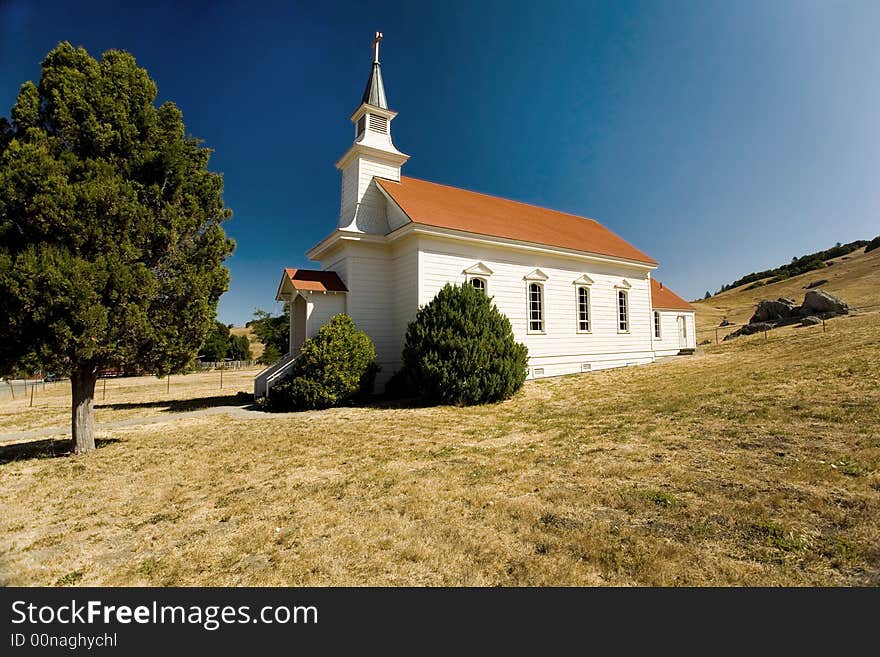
{"type": "Point", "coordinates": [625, 293]}
{"type": "Point", "coordinates": [543, 308]}
{"type": "Point", "coordinates": [577, 309]}
{"type": "Point", "coordinates": [658, 332]}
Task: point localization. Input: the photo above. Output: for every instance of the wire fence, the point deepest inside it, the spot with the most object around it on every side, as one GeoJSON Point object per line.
{"type": "Point", "coordinates": [227, 365]}
{"type": "Point", "coordinates": [27, 389]}
{"type": "Point", "coordinates": [717, 334]}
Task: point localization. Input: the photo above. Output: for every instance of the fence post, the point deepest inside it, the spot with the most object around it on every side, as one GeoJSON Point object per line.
{"type": "Point", "coordinates": [823, 325]}
{"type": "Point", "coordinates": [33, 385]}
{"type": "Point", "coordinates": [104, 394]}
{"type": "Point", "coordinates": [716, 336]}
{"type": "Point", "coordinates": [168, 384]}
{"type": "Point", "coordinates": [11, 388]}
{"type": "Point", "coordinates": [765, 334]}
{"type": "Point", "coordinates": [221, 377]}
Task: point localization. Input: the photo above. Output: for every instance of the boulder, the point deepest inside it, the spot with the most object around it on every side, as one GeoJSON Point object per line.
{"type": "Point", "coordinates": [810, 320]}
{"type": "Point", "coordinates": [819, 302]}
{"type": "Point", "coordinates": [749, 329]}
{"type": "Point", "coordinates": [773, 311]}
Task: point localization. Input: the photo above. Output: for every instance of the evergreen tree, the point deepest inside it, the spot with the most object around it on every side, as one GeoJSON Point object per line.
{"type": "Point", "coordinates": [111, 245]}
{"type": "Point", "coordinates": [460, 349]}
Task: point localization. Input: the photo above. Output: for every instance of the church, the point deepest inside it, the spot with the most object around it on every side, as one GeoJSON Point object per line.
{"type": "Point", "coordinates": [580, 297]}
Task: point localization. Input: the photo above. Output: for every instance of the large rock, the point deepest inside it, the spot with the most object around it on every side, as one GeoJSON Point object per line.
{"type": "Point", "coordinates": [810, 320]}
{"type": "Point", "coordinates": [749, 329]}
{"type": "Point", "coordinates": [820, 302]}
{"type": "Point", "coordinates": [774, 311]}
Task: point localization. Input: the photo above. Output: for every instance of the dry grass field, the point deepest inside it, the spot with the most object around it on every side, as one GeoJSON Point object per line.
{"type": "Point", "coordinates": [125, 398]}
{"type": "Point", "coordinates": [752, 463]}
{"type": "Point", "coordinates": [854, 277]}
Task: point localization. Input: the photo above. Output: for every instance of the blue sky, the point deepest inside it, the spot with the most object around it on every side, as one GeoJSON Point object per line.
{"type": "Point", "coordinates": [719, 137]}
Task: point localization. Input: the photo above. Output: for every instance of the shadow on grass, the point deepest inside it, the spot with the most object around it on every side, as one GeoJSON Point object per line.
{"type": "Point", "coordinates": [184, 405]}
{"type": "Point", "coordinates": [44, 449]}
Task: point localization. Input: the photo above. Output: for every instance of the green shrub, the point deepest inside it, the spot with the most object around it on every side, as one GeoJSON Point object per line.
{"type": "Point", "coordinates": [335, 366]}
{"type": "Point", "coordinates": [873, 244]}
{"type": "Point", "coordinates": [460, 350]}
{"type": "Point", "coordinates": [400, 385]}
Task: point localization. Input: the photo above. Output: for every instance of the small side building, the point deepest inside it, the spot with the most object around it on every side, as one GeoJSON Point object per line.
{"type": "Point", "coordinates": [673, 322]}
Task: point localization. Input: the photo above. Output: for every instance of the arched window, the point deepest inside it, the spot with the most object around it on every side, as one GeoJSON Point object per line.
{"type": "Point", "coordinates": [622, 311]}
{"type": "Point", "coordinates": [583, 309]}
{"type": "Point", "coordinates": [536, 308]}
{"type": "Point", "coordinates": [479, 283]}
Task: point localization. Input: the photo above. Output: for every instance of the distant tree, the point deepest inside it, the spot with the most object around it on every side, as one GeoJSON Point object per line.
{"type": "Point", "coordinates": [239, 348]}
{"type": "Point", "coordinates": [270, 355]}
{"type": "Point", "coordinates": [272, 331]}
{"type": "Point", "coordinates": [111, 244]}
{"type": "Point", "coordinates": [708, 295]}
{"type": "Point", "coordinates": [216, 344]}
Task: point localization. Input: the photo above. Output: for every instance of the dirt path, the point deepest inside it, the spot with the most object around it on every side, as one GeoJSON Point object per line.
{"type": "Point", "coordinates": [46, 432]}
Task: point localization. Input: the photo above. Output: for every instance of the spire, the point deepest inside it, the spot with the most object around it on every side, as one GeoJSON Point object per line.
{"type": "Point", "coordinates": [374, 93]}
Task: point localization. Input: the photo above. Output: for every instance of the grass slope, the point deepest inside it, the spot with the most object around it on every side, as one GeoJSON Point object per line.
{"type": "Point", "coordinates": [754, 463]}
{"type": "Point", "coordinates": [854, 277]}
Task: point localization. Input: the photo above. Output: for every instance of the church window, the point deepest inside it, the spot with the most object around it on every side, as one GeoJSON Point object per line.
{"type": "Point", "coordinates": [536, 308]}
{"type": "Point", "coordinates": [583, 309]}
{"type": "Point", "coordinates": [656, 324]}
{"type": "Point", "coordinates": [622, 311]}
{"type": "Point", "coordinates": [479, 284]}
{"type": "Point", "coordinates": [361, 126]}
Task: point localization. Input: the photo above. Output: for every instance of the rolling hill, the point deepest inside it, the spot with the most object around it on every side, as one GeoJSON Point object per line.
{"type": "Point", "coordinates": [855, 278]}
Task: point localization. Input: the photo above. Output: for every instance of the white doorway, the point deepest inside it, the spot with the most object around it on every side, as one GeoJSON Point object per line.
{"type": "Point", "coordinates": [682, 332]}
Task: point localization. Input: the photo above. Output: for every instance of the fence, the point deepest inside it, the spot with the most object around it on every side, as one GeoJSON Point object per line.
{"type": "Point", "coordinates": [716, 334]}
{"type": "Point", "coordinates": [226, 365]}
{"type": "Point", "coordinates": [28, 389]}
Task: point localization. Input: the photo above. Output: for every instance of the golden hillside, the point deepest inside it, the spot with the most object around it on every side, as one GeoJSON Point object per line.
{"type": "Point", "coordinates": [855, 278]}
{"type": "Point", "coordinates": [257, 347]}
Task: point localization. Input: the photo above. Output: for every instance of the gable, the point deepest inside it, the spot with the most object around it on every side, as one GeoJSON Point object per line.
{"type": "Point", "coordinates": [441, 206]}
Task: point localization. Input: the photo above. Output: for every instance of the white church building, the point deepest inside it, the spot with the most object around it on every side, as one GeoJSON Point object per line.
{"type": "Point", "coordinates": [578, 296]}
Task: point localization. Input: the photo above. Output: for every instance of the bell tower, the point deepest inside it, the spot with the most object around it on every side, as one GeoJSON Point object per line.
{"type": "Point", "coordinates": [372, 154]}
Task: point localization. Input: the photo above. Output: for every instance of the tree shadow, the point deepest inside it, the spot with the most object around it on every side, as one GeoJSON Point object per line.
{"type": "Point", "coordinates": [184, 405]}
{"type": "Point", "coordinates": [49, 448]}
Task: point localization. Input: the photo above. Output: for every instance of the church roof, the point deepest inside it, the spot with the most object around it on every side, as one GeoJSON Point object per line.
{"type": "Point", "coordinates": [459, 209]}
{"type": "Point", "coordinates": [317, 281]}
{"type": "Point", "coordinates": [374, 93]}
{"type": "Point", "coordinates": [662, 298]}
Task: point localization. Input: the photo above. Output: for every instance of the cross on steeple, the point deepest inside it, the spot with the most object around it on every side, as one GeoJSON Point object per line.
{"type": "Point", "coordinates": [376, 40]}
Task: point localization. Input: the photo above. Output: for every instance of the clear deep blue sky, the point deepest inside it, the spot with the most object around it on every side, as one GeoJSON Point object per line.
{"type": "Point", "coordinates": [719, 137]}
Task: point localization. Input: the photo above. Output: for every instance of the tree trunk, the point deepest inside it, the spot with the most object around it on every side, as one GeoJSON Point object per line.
{"type": "Point", "coordinates": [82, 383]}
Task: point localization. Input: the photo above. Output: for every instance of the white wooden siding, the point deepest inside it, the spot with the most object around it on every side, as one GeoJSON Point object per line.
{"type": "Point", "coordinates": [560, 349]}
{"type": "Point", "coordinates": [322, 307]}
{"type": "Point", "coordinates": [668, 343]}
{"type": "Point", "coordinates": [405, 273]}
{"type": "Point", "coordinates": [362, 204]}
{"type": "Point", "coordinates": [369, 277]}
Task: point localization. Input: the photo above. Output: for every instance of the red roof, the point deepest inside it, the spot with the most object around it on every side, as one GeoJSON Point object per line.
{"type": "Point", "coordinates": [459, 209]}
{"type": "Point", "coordinates": [662, 298]}
{"type": "Point", "coordinates": [318, 281]}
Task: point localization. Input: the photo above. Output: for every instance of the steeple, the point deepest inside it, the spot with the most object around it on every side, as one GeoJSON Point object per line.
{"type": "Point", "coordinates": [372, 154]}
{"type": "Point", "coordinates": [374, 92]}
